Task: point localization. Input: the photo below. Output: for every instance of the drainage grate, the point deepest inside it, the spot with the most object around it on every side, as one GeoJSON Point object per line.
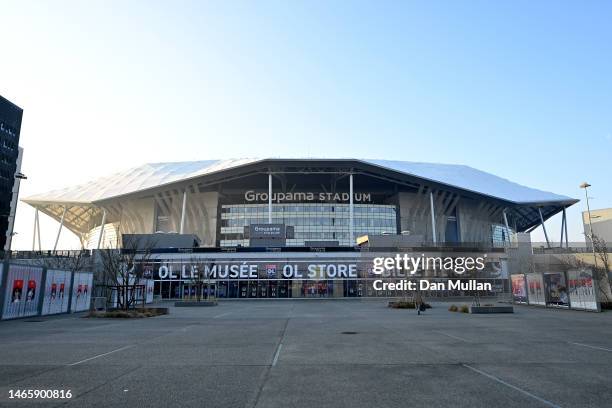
{"type": "Point", "coordinates": [349, 332]}
{"type": "Point", "coordinates": [33, 321]}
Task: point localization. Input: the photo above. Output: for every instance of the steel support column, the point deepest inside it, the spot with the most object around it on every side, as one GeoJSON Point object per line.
{"type": "Point", "coordinates": [59, 231]}
{"type": "Point", "coordinates": [38, 230]}
{"type": "Point", "coordinates": [182, 226]}
{"type": "Point", "coordinates": [101, 228]}
{"type": "Point", "coordinates": [562, 229]}
{"type": "Point", "coordinates": [543, 227]}
{"type": "Point", "coordinates": [566, 237]}
{"type": "Point", "coordinates": [433, 217]}
{"type": "Point", "coordinates": [269, 198]}
{"type": "Point", "coordinates": [34, 233]}
{"type": "Point", "coordinates": [351, 212]}
{"type": "Point", "coordinates": [507, 226]}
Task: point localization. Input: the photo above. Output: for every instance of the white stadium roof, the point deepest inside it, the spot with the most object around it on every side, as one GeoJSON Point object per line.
{"type": "Point", "coordinates": [471, 179]}
{"type": "Point", "coordinates": [154, 175]}
{"type": "Point", "coordinates": [80, 205]}
{"type": "Point", "coordinates": [136, 179]}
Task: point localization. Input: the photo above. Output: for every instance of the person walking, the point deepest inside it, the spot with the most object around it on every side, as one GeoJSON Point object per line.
{"type": "Point", "coordinates": [418, 303]}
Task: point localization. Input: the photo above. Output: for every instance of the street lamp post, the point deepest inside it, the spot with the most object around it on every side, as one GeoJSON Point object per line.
{"type": "Point", "coordinates": [586, 185]}
{"type": "Point", "coordinates": [10, 234]}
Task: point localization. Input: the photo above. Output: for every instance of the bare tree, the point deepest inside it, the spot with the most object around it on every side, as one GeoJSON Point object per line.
{"type": "Point", "coordinates": [601, 267]}
{"type": "Point", "coordinates": [76, 261]}
{"type": "Point", "coordinates": [602, 254]}
{"type": "Point", "coordinates": [123, 269]}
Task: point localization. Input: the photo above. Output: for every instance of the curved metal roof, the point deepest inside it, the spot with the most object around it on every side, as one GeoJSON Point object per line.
{"type": "Point", "coordinates": [136, 179]}
{"type": "Point", "coordinates": [81, 204]}
{"type": "Point", "coordinates": [474, 180]}
{"type": "Point", "coordinates": [154, 175]}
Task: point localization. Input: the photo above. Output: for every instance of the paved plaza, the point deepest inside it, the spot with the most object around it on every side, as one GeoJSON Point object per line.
{"type": "Point", "coordinates": [313, 353]}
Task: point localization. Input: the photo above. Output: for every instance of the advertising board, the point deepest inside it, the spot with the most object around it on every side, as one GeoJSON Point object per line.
{"type": "Point", "coordinates": [22, 291]}
{"type": "Point", "coordinates": [582, 290]}
{"type": "Point", "coordinates": [555, 289]}
{"type": "Point", "coordinates": [57, 290]}
{"type": "Point", "coordinates": [519, 291]}
{"type": "Point", "coordinates": [535, 287]}
{"type": "Point", "coordinates": [81, 291]}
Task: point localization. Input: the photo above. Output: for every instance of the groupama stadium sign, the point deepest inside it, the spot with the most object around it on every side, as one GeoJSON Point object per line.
{"type": "Point", "coordinates": [302, 196]}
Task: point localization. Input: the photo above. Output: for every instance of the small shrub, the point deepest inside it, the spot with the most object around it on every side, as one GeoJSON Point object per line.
{"type": "Point", "coordinates": [403, 304]}
{"type": "Point", "coordinates": [453, 308]}
{"type": "Point", "coordinates": [406, 304]}
{"type": "Point", "coordinates": [464, 309]}
{"type": "Point", "coordinates": [126, 314]}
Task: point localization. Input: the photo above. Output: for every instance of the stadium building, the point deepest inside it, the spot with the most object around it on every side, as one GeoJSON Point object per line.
{"type": "Point", "coordinates": [272, 213]}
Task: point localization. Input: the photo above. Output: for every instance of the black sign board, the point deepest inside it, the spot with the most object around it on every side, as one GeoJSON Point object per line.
{"type": "Point", "coordinates": [266, 235]}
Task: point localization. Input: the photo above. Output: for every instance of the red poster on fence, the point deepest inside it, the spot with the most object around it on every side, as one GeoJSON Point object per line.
{"type": "Point", "coordinates": [31, 290]}
{"type": "Point", "coordinates": [17, 291]}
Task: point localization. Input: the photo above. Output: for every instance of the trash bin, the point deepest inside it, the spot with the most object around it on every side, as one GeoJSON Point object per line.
{"type": "Point", "coordinates": [99, 303]}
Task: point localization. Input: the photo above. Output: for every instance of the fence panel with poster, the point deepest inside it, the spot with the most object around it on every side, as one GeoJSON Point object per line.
{"type": "Point", "coordinates": [57, 290]}
{"type": "Point", "coordinates": [582, 290]}
{"type": "Point", "coordinates": [22, 291]}
{"type": "Point", "coordinates": [555, 289]}
{"type": "Point", "coordinates": [574, 289]}
{"type": "Point", "coordinates": [81, 291]}
{"type": "Point", "coordinates": [519, 291]}
{"type": "Point", "coordinates": [535, 286]}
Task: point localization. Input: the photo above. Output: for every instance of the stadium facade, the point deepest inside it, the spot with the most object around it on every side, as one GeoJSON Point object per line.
{"type": "Point", "coordinates": [304, 211]}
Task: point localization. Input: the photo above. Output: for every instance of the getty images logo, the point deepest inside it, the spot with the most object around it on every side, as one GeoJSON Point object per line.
{"type": "Point", "coordinates": [411, 264]}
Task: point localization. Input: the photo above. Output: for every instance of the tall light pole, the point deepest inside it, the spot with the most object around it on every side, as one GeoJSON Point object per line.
{"type": "Point", "coordinates": [586, 185]}
{"type": "Point", "coordinates": [13, 212]}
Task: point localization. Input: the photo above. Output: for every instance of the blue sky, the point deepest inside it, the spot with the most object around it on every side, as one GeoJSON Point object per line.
{"type": "Point", "coordinates": [520, 89]}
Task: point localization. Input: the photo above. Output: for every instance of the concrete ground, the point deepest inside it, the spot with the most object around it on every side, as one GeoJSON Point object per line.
{"type": "Point", "coordinates": [302, 354]}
